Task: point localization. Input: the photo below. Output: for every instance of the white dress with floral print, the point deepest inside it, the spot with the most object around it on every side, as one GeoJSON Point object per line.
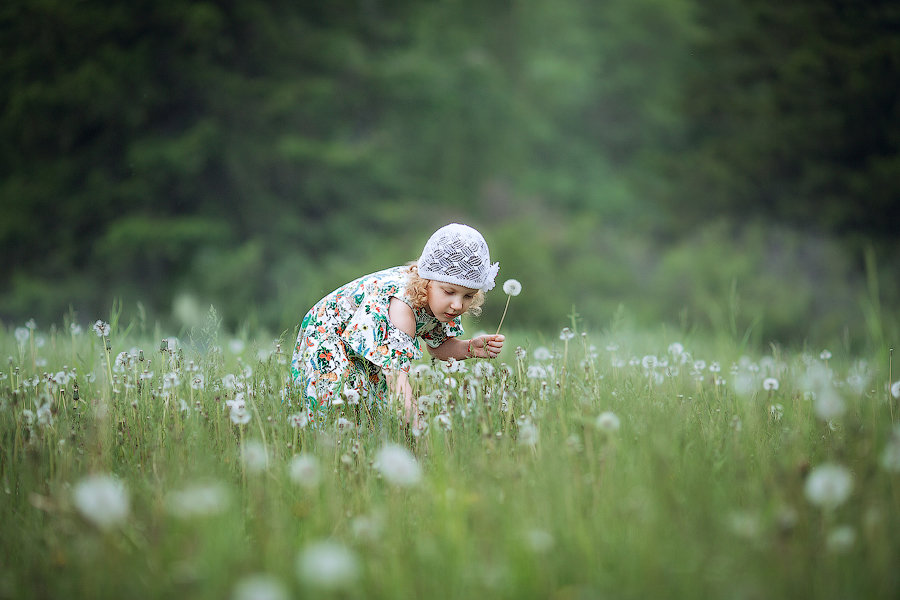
{"type": "Point", "coordinates": [347, 342]}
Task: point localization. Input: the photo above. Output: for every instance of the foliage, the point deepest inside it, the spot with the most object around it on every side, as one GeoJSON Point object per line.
{"type": "Point", "coordinates": [256, 155]}
{"type": "Point", "coordinates": [620, 464]}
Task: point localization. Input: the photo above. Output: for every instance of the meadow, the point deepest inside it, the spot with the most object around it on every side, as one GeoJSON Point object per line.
{"type": "Point", "coordinates": [616, 464]}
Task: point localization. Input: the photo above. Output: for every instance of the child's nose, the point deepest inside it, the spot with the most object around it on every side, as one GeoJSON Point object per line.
{"type": "Point", "coordinates": [456, 303]}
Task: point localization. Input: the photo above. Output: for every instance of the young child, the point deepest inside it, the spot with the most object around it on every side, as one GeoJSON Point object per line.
{"type": "Point", "coordinates": [357, 342]}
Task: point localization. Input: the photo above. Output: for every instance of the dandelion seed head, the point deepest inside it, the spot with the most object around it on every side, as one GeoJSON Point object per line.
{"type": "Point", "coordinates": [825, 354]}
{"type": "Point", "coordinates": [239, 415]}
{"type": "Point", "coordinates": [254, 456]}
{"type": "Point", "coordinates": [304, 470]}
{"type": "Point", "coordinates": [676, 349]}
{"type": "Point", "coordinates": [895, 389]}
{"type": "Point", "coordinates": [841, 539]}
{"type": "Point", "coordinates": [828, 486]}
{"type": "Point", "coordinates": [607, 422]}
{"type": "Point", "coordinates": [770, 384]}
{"type": "Point", "coordinates": [22, 334]}
{"type": "Point", "coordinates": [260, 587]}
{"type": "Point", "coordinates": [542, 353]}
{"type": "Point", "coordinates": [512, 287]}
{"type": "Point", "coordinates": [102, 500]}
{"type": "Point", "coordinates": [328, 565]}
{"type": "Point", "coordinates": [829, 405]}
{"type": "Point", "coordinates": [397, 465]}
{"type": "Point", "coordinates": [566, 334]}
{"type": "Point", "coordinates": [101, 328]}
{"type": "Point", "coordinates": [298, 420]}
{"type": "Point", "coordinates": [198, 500]}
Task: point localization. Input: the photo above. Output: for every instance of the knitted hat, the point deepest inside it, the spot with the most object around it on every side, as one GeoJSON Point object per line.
{"type": "Point", "coordinates": [459, 255]}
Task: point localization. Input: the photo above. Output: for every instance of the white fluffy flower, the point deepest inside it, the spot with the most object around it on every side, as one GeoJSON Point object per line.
{"type": "Point", "coordinates": [828, 486]}
{"type": "Point", "coordinates": [255, 456]}
{"type": "Point", "coordinates": [512, 287]}
{"type": "Point", "coordinates": [198, 500]}
{"type": "Point", "coordinates": [770, 384]}
{"type": "Point", "coordinates": [829, 404]}
{"type": "Point", "coordinates": [304, 470]}
{"type": "Point", "coordinates": [102, 500]}
{"type": "Point", "coordinates": [895, 389]}
{"type": "Point", "coordinates": [260, 587]}
{"type": "Point", "coordinates": [298, 420]}
{"type": "Point", "coordinates": [22, 334]}
{"type": "Point", "coordinates": [327, 565]}
{"type": "Point", "coordinates": [101, 328]}
{"type": "Point", "coordinates": [607, 422]}
{"type": "Point", "coordinates": [397, 465]}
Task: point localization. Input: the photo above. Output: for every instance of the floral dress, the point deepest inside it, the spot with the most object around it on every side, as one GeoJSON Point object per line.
{"type": "Point", "coordinates": [347, 342]}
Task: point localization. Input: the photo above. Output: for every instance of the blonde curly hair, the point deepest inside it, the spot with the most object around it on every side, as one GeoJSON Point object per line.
{"type": "Point", "coordinates": [417, 292]}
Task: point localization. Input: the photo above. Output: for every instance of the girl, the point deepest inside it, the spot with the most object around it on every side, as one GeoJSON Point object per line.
{"type": "Point", "coordinates": [357, 343]}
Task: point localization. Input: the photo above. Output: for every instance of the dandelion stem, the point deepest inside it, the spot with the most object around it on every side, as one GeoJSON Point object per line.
{"type": "Point", "coordinates": [504, 314]}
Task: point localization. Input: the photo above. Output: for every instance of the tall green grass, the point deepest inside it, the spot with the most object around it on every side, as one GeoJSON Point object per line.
{"type": "Point", "coordinates": [701, 491]}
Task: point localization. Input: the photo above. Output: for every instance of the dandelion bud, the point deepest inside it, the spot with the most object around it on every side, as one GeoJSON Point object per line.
{"type": "Point", "coordinates": [141, 356]}
{"type": "Point", "coordinates": [108, 346]}
{"type": "Point", "coordinates": [164, 345]}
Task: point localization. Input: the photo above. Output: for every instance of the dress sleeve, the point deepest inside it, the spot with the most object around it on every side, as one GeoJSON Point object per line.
{"type": "Point", "coordinates": [438, 333]}
{"type": "Point", "coordinates": [371, 335]}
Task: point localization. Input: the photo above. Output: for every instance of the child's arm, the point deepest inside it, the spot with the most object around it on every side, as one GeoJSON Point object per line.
{"type": "Point", "coordinates": [483, 346]}
{"type": "Point", "coordinates": [403, 318]}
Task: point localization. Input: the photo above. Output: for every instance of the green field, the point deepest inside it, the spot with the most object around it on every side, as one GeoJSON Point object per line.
{"type": "Point", "coordinates": [608, 465]}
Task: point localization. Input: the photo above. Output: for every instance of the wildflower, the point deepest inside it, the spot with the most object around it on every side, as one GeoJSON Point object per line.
{"type": "Point", "coordinates": [829, 405]}
{"type": "Point", "coordinates": [22, 334]}
{"type": "Point", "coordinates": [676, 349]}
{"type": "Point", "coordinates": [825, 355]}
{"type": "Point", "coordinates": [714, 367]}
{"type": "Point", "coordinates": [304, 470]}
{"type": "Point", "coordinates": [699, 365]}
{"type": "Point", "coordinates": [327, 565]}
{"type": "Point", "coordinates": [541, 353]}
{"type": "Point", "coordinates": [607, 422]}
{"type": "Point", "coordinates": [343, 425]}
{"type": "Point", "coordinates": [198, 381]}
{"type": "Point", "coordinates": [828, 486]}
{"type": "Point", "coordinates": [539, 541]}
{"type": "Point", "coordinates": [101, 328]}
{"type": "Point", "coordinates": [776, 411]}
{"type": "Point", "coordinates": [841, 539]}
{"type": "Point", "coordinates": [31, 324]}
{"type": "Point", "coordinates": [528, 433]}
{"type": "Point", "coordinates": [649, 361]}
{"type": "Point", "coordinates": [895, 389]}
{"type": "Point", "coordinates": [352, 396]}
{"type": "Point", "coordinates": [75, 328]}
{"type": "Point", "coordinates": [171, 381]}
{"type": "Point", "coordinates": [239, 415]}
{"type": "Point", "coordinates": [397, 465]}
{"type": "Point", "coordinates": [298, 420]}
{"type": "Point", "coordinates": [254, 456]}
{"type": "Point", "coordinates": [367, 528]}
{"type": "Point", "coordinates": [890, 458]}
{"type": "Point", "coordinates": [102, 500]}
{"type": "Point", "coordinates": [260, 587]}
{"type": "Point", "coordinates": [536, 372]}
{"type": "Point", "coordinates": [511, 288]}
{"type": "Point", "coordinates": [770, 384]}
{"type": "Point", "coordinates": [483, 370]}
{"type": "Point", "coordinates": [444, 421]}
{"type": "Point", "coordinates": [198, 500]}
{"type": "Point", "coordinates": [566, 334]}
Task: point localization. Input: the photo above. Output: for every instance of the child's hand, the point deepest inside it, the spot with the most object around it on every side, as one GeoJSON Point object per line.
{"type": "Point", "coordinates": [486, 346]}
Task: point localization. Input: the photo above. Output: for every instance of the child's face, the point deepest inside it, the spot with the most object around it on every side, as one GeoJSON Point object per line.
{"type": "Point", "coordinates": [446, 301]}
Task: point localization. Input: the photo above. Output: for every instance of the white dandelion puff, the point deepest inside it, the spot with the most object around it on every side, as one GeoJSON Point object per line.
{"type": "Point", "coordinates": [328, 565]}
{"type": "Point", "coordinates": [512, 287]}
{"type": "Point", "coordinates": [828, 486]}
{"type": "Point", "coordinates": [895, 389]}
{"type": "Point", "coordinates": [22, 334]}
{"type": "Point", "coordinates": [101, 328]}
{"type": "Point", "coordinates": [566, 334]}
{"type": "Point", "coordinates": [304, 470]}
{"type": "Point", "coordinates": [398, 466]}
{"type": "Point", "coordinates": [198, 500]}
{"type": "Point", "coordinates": [829, 405]}
{"type": "Point", "coordinates": [841, 539]}
{"type": "Point", "coordinates": [770, 384]}
{"type": "Point", "coordinates": [298, 420]}
{"type": "Point", "coordinates": [607, 422]}
{"type": "Point", "coordinates": [260, 587]}
{"type": "Point", "coordinates": [254, 456]}
{"type": "Point", "coordinates": [102, 500]}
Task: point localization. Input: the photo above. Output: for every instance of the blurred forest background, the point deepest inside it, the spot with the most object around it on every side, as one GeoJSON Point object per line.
{"type": "Point", "coordinates": [730, 165]}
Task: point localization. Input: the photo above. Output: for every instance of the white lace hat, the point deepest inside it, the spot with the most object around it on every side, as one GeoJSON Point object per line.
{"type": "Point", "coordinates": [458, 254]}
